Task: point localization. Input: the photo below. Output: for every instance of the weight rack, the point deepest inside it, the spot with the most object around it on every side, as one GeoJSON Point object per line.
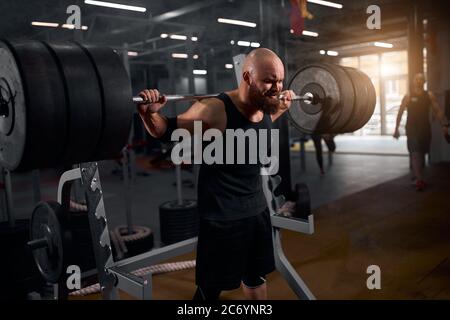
{"type": "Point", "coordinates": [117, 275]}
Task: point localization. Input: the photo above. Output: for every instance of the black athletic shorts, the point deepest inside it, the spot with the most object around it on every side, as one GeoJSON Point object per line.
{"type": "Point", "coordinates": [229, 251]}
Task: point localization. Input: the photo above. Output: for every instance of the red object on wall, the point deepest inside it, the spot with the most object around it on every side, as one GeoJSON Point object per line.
{"type": "Point", "coordinates": [297, 21]}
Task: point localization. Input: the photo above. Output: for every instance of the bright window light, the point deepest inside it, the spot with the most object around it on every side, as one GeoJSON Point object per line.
{"type": "Point", "coordinates": [332, 53]}
{"type": "Point", "coordinates": [164, 35]}
{"type": "Point", "coordinates": [327, 3]}
{"type": "Point", "coordinates": [132, 53]}
{"type": "Point", "coordinates": [322, 52]}
{"type": "Point", "coordinates": [383, 44]}
{"type": "Point", "coordinates": [44, 24]}
{"type": "Point", "coordinates": [255, 44]}
{"type": "Point", "coordinates": [310, 33]}
{"type": "Point", "coordinates": [228, 66]}
{"type": "Point", "coordinates": [179, 55]}
{"type": "Point", "coordinates": [115, 5]}
{"type": "Point", "coordinates": [200, 72]}
{"type": "Point", "coordinates": [177, 37]}
{"type": "Point", "coordinates": [244, 43]}
{"type": "Point", "coordinates": [237, 22]}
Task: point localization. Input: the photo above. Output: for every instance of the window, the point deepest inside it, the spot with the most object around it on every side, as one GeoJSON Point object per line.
{"type": "Point", "coordinates": [389, 74]}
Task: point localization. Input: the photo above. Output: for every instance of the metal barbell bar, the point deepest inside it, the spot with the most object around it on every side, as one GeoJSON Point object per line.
{"type": "Point", "coordinates": [307, 97]}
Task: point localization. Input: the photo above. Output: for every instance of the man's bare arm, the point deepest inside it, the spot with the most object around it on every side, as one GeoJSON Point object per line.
{"type": "Point", "coordinates": [285, 104]}
{"type": "Point", "coordinates": [437, 109]}
{"type": "Point", "coordinates": [210, 111]}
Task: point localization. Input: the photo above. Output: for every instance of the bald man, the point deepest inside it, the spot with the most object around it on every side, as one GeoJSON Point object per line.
{"type": "Point", "coordinates": [418, 127]}
{"type": "Point", "coordinates": [235, 235]}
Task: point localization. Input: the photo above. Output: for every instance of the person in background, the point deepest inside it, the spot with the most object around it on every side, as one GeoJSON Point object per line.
{"type": "Point", "coordinates": [418, 126]}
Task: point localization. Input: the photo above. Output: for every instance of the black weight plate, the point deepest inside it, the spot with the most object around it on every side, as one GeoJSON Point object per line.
{"type": "Point", "coordinates": [115, 88]}
{"type": "Point", "coordinates": [325, 117]}
{"type": "Point", "coordinates": [371, 98]}
{"type": "Point", "coordinates": [344, 106]}
{"type": "Point", "coordinates": [13, 125]}
{"type": "Point", "coordinates": [361, 100]}
{"type": "Point", "coordinates": [84, 102]}
{"type": "Point", "coordinates": [45, 115]}
{"type": "Point", "coordinates": [45, 223]}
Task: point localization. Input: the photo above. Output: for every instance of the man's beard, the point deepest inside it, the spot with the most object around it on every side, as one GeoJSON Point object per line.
{"type": "Point", "coordinates": [265, 103]}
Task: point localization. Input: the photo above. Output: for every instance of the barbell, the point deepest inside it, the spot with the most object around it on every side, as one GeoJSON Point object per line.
{"type": "Point", "coordinates": [309, 97]}
{"type": "Point", "coordinates": [67, 103]}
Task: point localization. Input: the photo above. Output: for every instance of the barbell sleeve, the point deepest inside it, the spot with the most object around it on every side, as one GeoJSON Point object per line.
{"type": "Point", "coordinates": [306, 97]}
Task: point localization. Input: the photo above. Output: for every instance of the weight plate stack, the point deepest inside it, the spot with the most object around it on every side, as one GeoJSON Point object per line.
{"type": "Point", "coordinates": [344, 106]}
{"type": "Point", "coordinates": [84, 102]}
{"type": "Point", "coordinates": [13, 110]}
{"type": "Point", "coordinates": [18, 272]}
{"type": "Point", "coordinates": [33, 133]}
{"type": "Point", "coordinates": [361, 101]}
{"type": "Point", "coordinates": [178, 222]}
{"type": "Point", "coordinates": [371, 97]}
{"type": "Point", "coordinates": [335, 92]}
{"type": "Point", "coordinates": [115, 88]}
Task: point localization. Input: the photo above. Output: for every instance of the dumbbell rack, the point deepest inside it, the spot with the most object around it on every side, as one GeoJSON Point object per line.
{"type": "Point", "coordinates": [117, 275]}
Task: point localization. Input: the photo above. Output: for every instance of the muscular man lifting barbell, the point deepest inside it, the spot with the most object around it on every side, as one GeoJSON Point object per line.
{"type": "Point", "coordinates": [235, 236]}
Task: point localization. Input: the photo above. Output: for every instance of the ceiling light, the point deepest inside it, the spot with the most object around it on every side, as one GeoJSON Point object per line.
{"type": "Point", "coordinates": [195, 56]}
{"type": "Point", "coordinates": [327, 3]}
{"type": "Point", "coordinates": [194, 38]}
{"type": "Point", "coordinates": [310, 33]}
{"type": "Point", "coordinates": [255, 44]}
{"type": "Point", "coordinates": [232, 42]}
{"type": "Point", "coordinates": [244, 43]}
{"type": "Point", "coordinates": [237, 22]}
{"type": "Point", "coordinates": [383, 44]}
{"type": "Point", "coordinates": [44, 24]}
{"type": "Point", "coordinates": [322, 52]}
{"type": "Point", "coordinates": [332, 53]}
{"type": "Point", "coordinates": [177, 37]}
{"type": "Point", "coordinates": [164, 35]}
{"type": "Point", "coordinates": [72, 26]}
{"type": "Point", "coordinates": [180, 55]}
{"type": "Point", "coordinates": [115, 5]}
{"type": "Point", "coordinates": [201, 72]}
{"type": "Point", "coordinates": [132, 53]}
{"type": "Point", "coordinates": [229, 66]}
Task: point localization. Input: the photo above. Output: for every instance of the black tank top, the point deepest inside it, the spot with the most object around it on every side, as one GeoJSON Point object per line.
{"type": "Point", "coordinates": [418, 109]}
{"type": "Point", "coordinates": [233, 191]}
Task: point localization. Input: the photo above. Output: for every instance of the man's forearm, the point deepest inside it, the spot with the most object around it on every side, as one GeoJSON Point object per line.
{"type": "Point", "coordinates": [399, 119]}
{"type": "Point", "coordinates": [155, 123]}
